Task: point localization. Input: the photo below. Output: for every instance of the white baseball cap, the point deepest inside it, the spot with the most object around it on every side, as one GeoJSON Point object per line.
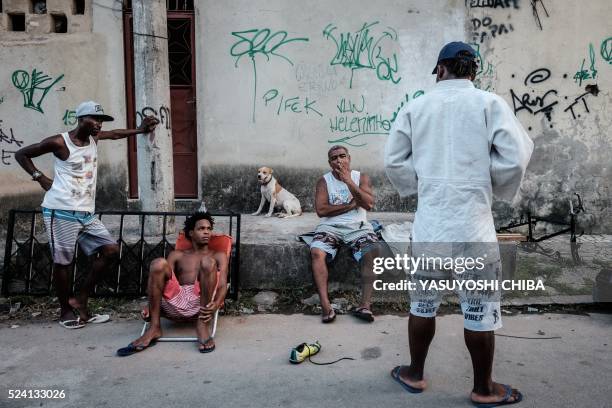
{"type": "Point", "coordinates": [91, 108]}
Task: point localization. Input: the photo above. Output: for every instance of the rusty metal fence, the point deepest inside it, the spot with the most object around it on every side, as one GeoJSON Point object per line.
{"type": "Point", "coordinates": [28, 265]}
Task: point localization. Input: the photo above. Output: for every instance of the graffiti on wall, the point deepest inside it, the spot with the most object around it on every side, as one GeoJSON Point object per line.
{"type": "Point", "coordinates": [364, 50]}
{"type": "Point", "coordinates": [536, 103]}
{"type": "Point", "coordinates": [536, 5]}
{"type": "Point", "coordinates": [34, 87]}
{"type": "Point", "coordinates": [317, 80]}
{"type": "Point", "coordinates": [69, 118]}
{"type": "Point", "coordinates": [483, 28]}
{"type": "Point", "coordinates": [352, 121]}
{"type": "Point", "coordinates": [9, 145]}
{"type": "Point", "coordinates": [606, 50]}
{"type": "Point", "coordinates": [294, 104]}
{"type": "Point", "coordinates": [492, 3]}
{"type": "Point", "coordinates": [485, 75]}
{"type": "Point", "coordinates": [260, 42]}
{"type": "Point", "coordinates": [542, 99]}
{"type": "Point", "coordinates": [162, 114]}
{"type": "Point", "coordinates": [590, 90]}
{"type": "Point", "coordinates": [407, 99]}
{"type": "Point", "coordinates": [583, 73]}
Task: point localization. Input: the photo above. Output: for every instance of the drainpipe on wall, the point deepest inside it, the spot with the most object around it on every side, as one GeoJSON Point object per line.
{"type": "Point", "coordinates": [152, 94]}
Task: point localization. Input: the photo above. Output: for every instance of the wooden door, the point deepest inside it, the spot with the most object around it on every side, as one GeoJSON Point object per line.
{"type": "Point", "coordinates": [182, 116]}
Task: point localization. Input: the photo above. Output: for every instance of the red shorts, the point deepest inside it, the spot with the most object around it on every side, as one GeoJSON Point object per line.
{"type": "Point", "coordinates": [181, 301]}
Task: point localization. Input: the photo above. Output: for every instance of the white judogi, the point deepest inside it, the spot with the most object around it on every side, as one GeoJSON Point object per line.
{"type": "Point", "coordinates": [456, 146]}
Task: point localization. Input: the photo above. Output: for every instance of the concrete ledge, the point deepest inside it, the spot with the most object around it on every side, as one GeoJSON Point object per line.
{"type": "Point", "coordinates": [272, 257]}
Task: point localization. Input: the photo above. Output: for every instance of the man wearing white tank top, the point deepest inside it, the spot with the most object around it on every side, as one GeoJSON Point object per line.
{"type": "Point", "coordinates": [342, 198]}
{"type": "Point", "coordinates": [69, 205]}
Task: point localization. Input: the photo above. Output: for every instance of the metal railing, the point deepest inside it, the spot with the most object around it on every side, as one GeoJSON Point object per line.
{"type": "Point", "coordinates": [570, 226]}
{"type": "Point", "coordinates": [28, 265]}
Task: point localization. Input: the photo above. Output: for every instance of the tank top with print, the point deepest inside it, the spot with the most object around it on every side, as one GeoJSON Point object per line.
{"type": "Point", "coordinates": [74, 179]}
{"type": "Point", "coordinates": [338, 193]}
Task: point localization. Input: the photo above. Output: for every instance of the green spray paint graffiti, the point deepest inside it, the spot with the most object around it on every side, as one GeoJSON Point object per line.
{"type": "Point", "coordinates": [485, 75]}
{"type": "Point", "coordinates": [354, 123]}
{"type": "Point", "coordinates": [70, 118]}
{"type": "Point", "coordinates": [415, 95]}
{"type": "Point", "coordinates": [583, 74]}
{"type": "Point", "coordinates": [34, 87]}
{"type": "Point", "coordinates": [294, 104]}
{"type": "Point", "coordinates": [362, 50]}
{"type": "Point", "coordinates": [606, 50]}
{"type": "Point", "coordinates": [260, 41]}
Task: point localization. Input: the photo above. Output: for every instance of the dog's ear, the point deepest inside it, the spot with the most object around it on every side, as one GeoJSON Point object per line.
{"type": "Point", "coordinates": [271, 170]}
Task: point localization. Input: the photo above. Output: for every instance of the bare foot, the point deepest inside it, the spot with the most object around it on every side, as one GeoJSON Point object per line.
{"type": "Point", "coordinates": [80, 308]}
{"type": "Point", "coordinates": [408, 378]}
{"type": "Point", "coordinates": [152, 334]}
{"type": "Point", "coordinates": [500, 393]}
{"type": "Point", "coordinates": [206, 343]}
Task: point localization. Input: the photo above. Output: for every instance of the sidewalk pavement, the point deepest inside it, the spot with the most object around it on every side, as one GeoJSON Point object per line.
{"type": "Point", "coordinates": [250, 367]}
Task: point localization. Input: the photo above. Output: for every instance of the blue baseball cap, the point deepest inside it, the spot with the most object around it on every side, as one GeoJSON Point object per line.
{"type": "Point", "coordinates": [451, 50]}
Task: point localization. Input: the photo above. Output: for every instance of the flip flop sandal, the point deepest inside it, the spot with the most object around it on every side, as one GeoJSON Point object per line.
{"type": "Point", "coordinates": [72, 324]}
{"type": "Point", "coordinates": [206, 349]}
{"type": "Point", "coordinates": [331, 316]}
{"type": "Point", "coordinates": [504, 401]}
{"type": "Point", "coordinates": [409, 388]}
{"type": "Point", "coordinates": [361, 313]}
{"type": "Point", "coordinates": [132, 349]}
{"type": "Point", "coordinates": [98, 318]}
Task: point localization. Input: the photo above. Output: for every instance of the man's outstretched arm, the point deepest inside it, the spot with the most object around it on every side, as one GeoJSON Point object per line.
{"type": "Point", "coordinates": [148, 125]}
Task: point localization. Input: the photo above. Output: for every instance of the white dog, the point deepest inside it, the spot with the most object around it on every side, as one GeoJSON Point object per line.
{"type": "Point", "coordinates": [272, 191]}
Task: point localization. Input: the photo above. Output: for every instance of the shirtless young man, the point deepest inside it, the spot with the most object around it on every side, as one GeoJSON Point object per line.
{"type": "Point", "coordinates": [188, 285]}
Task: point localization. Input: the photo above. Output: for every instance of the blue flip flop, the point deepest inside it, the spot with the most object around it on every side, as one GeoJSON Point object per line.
{"type": "Point", "coordinates": [504, 401]}
{"type": "Point", "coordinates": [409, 388]}
{"type": "Point", "coordinates": [132, 349]}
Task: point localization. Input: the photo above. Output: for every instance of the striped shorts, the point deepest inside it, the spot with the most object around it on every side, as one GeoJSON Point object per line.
{"type": "Point", "coordinates": [184, 304]}
{"type": "Point", "coordinates": [67, 228]}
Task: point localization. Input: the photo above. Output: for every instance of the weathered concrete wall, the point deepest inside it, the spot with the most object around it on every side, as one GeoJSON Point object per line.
{"type": "Point", "coordinates": [43, 77]}
{"type": "Point", "coordinates": [278, 84]}
{"type": "Point", "coordinates": [281, 84]}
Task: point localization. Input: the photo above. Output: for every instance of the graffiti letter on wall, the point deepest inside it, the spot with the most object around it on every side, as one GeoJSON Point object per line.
{"type": "Point", "coordinates": [5, 139]}
{"type": "Point", "coordinates": [538, 104]}
{"type": "Point", "coordinates": [606, 50]}
{"type": "Point", "coordinates": [360, 50]}
{"type": "Point", "coordinates": [30, 84]}
{"type": "Point", "coordinates": [583, 74]}
{"type": "Point", "coordinates": [256, 41]}
{"type": "Point", "coordinates": [70, 118]}
{"type": "Point", "coordinates": [163, 115]}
